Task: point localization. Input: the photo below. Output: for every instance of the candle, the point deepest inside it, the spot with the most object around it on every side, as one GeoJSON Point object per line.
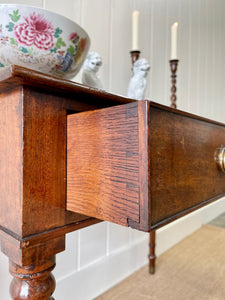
{"type": "Point", "coordinates": [135, 27]}
{"type": "Point", "coordinates": [174, 41]}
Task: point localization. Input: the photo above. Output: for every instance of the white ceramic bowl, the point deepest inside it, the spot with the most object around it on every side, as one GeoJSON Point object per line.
{"type": "Point", "coordinates": [41, 40]}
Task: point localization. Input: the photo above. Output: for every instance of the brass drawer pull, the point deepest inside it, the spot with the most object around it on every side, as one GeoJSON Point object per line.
{"type": "Point", "coordinates": [220, 159]}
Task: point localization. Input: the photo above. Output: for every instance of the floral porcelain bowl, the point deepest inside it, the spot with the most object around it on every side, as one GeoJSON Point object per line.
{"type": "Point", "coordinates": [41, 40]}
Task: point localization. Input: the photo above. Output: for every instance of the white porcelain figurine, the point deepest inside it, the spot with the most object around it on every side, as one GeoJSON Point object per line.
{"type": "Point", "coordinates": [91, 66]}
{"type": "Point", "coordinates": [137, 84]}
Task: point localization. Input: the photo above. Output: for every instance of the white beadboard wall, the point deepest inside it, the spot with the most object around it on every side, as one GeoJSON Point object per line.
{"type": "Point", "coordinates": [99, 256]}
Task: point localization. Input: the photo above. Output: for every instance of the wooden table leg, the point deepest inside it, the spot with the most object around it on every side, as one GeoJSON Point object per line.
{"type": "Point", "coordinates": [152, 256]}
{"type": "Point", "coordinates": [34, 281]}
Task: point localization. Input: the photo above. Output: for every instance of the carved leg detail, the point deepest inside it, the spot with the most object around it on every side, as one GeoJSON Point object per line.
{"type": "Point", "coordinates": [152, 256]}
{"type": "Point", "coordinates": [33, 282]}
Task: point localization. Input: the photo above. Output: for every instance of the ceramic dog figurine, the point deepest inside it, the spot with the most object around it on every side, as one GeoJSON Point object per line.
{"type": "Point", "coordinates": [92, 64]}
{"type": "Point", "coordinates": [137, 84]}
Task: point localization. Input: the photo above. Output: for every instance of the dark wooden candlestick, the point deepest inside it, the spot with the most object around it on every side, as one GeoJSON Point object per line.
{"type": "Point", "coordinates": [134, 55]}
{"type": "Point", "coordinates": [173, 68]}
{"type": "Point", "coordinates": [152, 257]}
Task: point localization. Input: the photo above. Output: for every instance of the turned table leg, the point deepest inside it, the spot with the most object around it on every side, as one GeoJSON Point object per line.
{"type": "Point", "coordinates": [152, 256]}
{"type": "Point", "coordinates": [34, 281]}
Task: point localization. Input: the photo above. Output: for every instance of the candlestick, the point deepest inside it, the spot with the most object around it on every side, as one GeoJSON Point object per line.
{"type": "Point", "coordinates": [135, 31]}
{"type": "Point", "coordinates": [174, 41]}
{"type": "Point", "coordinates": [173, 68]}
{"type": "Point", "coordinates": [152, 255]}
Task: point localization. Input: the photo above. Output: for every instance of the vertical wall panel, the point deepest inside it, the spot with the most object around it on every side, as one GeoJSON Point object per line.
{"type": "Point", "coordinates": [219, 61]}
{"type": "Point", "coordinates": [202, 93]}
{"type": "Point", "coordinates": [158, 53]}
{"type": "Point", "coordinates": [145, 41]}
{"type": "Point", "coordinates": [97, 13]}
{"type": "Point", "coordinates": [67, 8]}
{"type": "Point", "coordinates": [184, 56]}
{"type": "Point", "coordinates": [194, 56]}
{"type": "Point", "coordinates": [121, 18]}
{"type": "Point", "coordinates": [209, 60]}
{"type": "Point", "coordinates": [222, 66]}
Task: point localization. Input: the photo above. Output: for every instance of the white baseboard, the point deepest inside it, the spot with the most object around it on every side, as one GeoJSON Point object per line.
{"type": "Point", "coordinates": [98, 277]}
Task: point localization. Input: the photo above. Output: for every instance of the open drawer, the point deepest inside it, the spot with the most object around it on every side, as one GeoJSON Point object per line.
{"type": "Point", "coordinates": [142, 164]}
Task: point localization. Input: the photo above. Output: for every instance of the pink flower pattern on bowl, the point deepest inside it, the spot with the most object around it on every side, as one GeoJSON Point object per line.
{"type": "Point", "coordinates": [41, 40]}
{"type": "Point", "coordinates": [35, 31]}
{"type": "Point", "coordinates": [72, 36]}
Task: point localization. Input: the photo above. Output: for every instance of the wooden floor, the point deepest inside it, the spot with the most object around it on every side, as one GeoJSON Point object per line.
{"type": "Point", "coordinates": [194, 269]}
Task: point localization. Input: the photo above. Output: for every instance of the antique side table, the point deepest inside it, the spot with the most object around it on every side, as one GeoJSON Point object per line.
{"type": "Point", "coordinates": [72, 156]}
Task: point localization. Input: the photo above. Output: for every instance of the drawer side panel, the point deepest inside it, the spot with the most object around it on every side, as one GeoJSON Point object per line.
{"type": "Point", "coordinates": [103, 163]}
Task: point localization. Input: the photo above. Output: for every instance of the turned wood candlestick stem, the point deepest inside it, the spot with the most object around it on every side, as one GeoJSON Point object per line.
{"type": "Point", "coordinates": [173, 68]}
{"type": "Point", "coordinates": [134, 55]}
{"type": "Point", "coordinates": [152, 256]}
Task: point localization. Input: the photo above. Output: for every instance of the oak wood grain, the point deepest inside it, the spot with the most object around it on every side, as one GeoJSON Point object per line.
{"type": "Point", "coordinates": [11, 159]}
{"type": "Point", "coordinates": [103, 163]}
{"type": "Point", "coordinates": [107, 164]}
{"type": "Point", "coordinates": [44, 161]}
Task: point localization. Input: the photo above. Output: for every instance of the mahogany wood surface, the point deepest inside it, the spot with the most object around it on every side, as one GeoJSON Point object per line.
{"type": "Point", "coordinates": [78, 96]}
{"type": "Point", "coordinates": [184, 174]}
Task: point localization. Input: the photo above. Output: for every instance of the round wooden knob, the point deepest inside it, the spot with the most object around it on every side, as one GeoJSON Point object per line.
{"type": "Point", "coordinates": [220, 159]}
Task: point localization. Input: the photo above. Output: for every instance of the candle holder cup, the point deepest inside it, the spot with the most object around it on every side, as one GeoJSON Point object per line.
{"type": "Point", "coordinates": [134, 55]}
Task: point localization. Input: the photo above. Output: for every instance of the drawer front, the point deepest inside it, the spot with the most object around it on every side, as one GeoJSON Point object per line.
{"type": "Point", "coordinates": [184, 173]}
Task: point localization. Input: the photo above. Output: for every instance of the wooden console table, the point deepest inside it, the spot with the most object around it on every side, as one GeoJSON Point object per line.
{"type": "Point", "coordinates": [71, 156]}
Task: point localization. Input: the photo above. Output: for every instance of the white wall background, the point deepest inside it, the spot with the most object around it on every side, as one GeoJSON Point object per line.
{"type": "Point", "coordinates": [100, 256]}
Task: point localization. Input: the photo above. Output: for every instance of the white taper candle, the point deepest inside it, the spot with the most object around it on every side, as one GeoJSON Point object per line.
{"type": "Point", "coordinates": [135, 31]}
{"type": "Point", "coordinates": [174, 41]}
